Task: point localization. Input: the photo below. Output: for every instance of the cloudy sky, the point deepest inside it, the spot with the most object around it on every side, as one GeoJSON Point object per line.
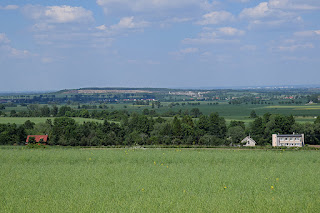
{"type": "Point", "coordinates": [55, 44]}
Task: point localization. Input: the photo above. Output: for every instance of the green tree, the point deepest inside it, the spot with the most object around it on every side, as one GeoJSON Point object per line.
{"type": "Point", "coordinates": [237, 123]}
{"type": "Point", "coordinates": [63, 128]}
{"type": "Point", "coordinates": [45, 111]}
{"type": "Point", "coordinates": [176, 127]}
{"type": "Point", "coordinates": [28, 124]}
{"type": "Point", "coordinates": [54, 110]}
{"type": "Point", "coordinates": [187, 120]}
{"type": "Point", "coordinates": [236, 134]}
{"type": "Point", "coordinates": [195, 112]}
{"type": "Point", "coordinates": [217, 125]}
{"type": "Point", "coordinates": [253, 114]}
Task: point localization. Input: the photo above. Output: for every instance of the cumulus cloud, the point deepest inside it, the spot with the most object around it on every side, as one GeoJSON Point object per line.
{"type": "Point", "coordinates": [216, 17]}
{"type": "Point", "coordinates": [259, 11]}
{"type": "Point", "coordinates": [9, 7]}
{"type": "Point", "coordinates": [58, 14]}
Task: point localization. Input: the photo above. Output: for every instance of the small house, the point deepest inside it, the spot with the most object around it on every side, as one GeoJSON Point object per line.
{"type": "Point", "coordinates": [294, 140]}
{"type": "Point", "coordinates": [43, 139]}
{"type": "Point", "coordinates": [248, 141]}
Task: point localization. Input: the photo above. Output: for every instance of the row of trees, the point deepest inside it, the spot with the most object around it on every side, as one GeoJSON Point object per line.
{"type": "Point", "coordinates": [138, 129]}
{"type": "Point", "coordinates": [35, 110]}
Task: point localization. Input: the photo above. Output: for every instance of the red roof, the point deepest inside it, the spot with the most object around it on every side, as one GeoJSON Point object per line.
{"type": "Point", "coordinates": [38, 138]}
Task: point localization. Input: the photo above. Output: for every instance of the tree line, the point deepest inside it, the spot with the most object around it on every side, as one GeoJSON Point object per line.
{"type": "Point", "coordinates": [139, 129]}
{"type": "Point", "coordinates": [35, 110]}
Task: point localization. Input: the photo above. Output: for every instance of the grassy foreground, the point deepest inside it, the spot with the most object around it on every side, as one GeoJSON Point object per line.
{"type": "Point", "coordinates": [158, 180]}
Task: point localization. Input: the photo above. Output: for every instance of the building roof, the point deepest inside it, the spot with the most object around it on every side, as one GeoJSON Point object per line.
{"type": "Point", "coordinates": [248, 138]}
{"type": "Point", "coordinates": [296, 135]}
{"type": "Point", "coordinates": [38, 138]}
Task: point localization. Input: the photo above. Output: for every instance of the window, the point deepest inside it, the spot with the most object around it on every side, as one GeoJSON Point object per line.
{"type": "Point", "coordinates": [286, 139]}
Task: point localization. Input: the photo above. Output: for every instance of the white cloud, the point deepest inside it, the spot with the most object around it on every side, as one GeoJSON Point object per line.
{"type": "Point", "coordinates": [189, 50]}
{"type": "Point", "coordinates": [260, 11]}
{"type": "Point", "coordinates": [47, 60]}
{"type": "Point", "coordinates": [43, 27]}
{"type": "Point", "coordinates": [124, 25]}
{"type": "Point", "coordinates": [275, 8]}
{"type": "Point", "coordinates": [216, 36]}
{"type": "Point", "coordinates": [249, 47]}
{"type": "Point", "coordinates": [18, 53]}
{"type": "Point", "coordinates": [105, 35]}
{"type": "Point", "coordinates": [294, 47]}
{"type": "Point", "coordinates": [216, 17]}
{"type": "Point", "coordinates": [230, 31]}
{"type": "Point", "coordinates": [59, 14]}
{"type": "Point", "coordinates": [242, 1]}
{"type": "Point", "coordinates": [4, 39]}
{"type": "Point", "coordinates": [308, 33]}
{"type": "Point", "coordinates": [291, 5]}
{"type": "Point", "coordinates": [9, 7]}
{"type": "Point", "coordinates": [129, 23]}
{"type": "Point", "coordinates": [208, 40]}
{"type": "Point", "coordinates": [183, 52]}
{"type": "Point", "coordinates": [151, 6]}
{"type": "Point", "coordinates": [8, 50]}
{"type": "Point", "coordinates": [102, 27]}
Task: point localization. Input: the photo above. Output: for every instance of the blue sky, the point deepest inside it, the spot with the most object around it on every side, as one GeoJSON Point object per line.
{"type": "Point", "coordinates": [53, 44]}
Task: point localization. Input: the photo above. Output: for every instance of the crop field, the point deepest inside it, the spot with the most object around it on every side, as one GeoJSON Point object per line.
{"type": "Point", "coordinates": [231, 111]}
{"type": "Point", "coordinates": [21, 120]}
{"type": "Point", "coordinates": [158, 180]}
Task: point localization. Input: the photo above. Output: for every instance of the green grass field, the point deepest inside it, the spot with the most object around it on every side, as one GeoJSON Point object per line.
{"type": "Point", "coordinates": [302, 113]}
{"type": "Point", "coordinates": [21, 120]}
{"type": "Point", "coordinates": [158, 180]}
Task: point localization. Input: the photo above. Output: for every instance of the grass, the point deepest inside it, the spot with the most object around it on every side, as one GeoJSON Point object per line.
{"type": "Point", "coordinates": [21, 120]}
{"type": "Point", "coordinates": [303, 113]}
{"type": "Point", "coordinates": [158, 180]}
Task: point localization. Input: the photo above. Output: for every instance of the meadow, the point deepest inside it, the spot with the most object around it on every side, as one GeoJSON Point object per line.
{"type": "Point", "coordinates": [302, 113]}
{"type": "Point", "coordinates": [158, 180]}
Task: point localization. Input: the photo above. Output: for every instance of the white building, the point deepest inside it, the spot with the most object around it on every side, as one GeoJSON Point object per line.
{"type": "Point", "coordinates": [248, 141]}
{"type": "Point", "coordinates": [294, 140]}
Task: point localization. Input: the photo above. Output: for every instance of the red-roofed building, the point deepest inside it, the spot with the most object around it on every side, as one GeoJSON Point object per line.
{"type": "Point", "coordinates": [38, 138]}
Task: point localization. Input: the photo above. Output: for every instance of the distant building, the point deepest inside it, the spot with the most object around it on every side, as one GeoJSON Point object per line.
{"type": "Point", "coordinates": [248, 141]}
{"type": "Point", "coordinates": [294, 140]}
{"type": "Point", "coordinates": [43, 139]}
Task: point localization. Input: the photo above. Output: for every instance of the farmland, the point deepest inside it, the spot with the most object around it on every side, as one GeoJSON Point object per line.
{"type": "Point", "coordinates": [304, 113]}
{"type": "Point", "coordinates": [22, 120]}
{"type": "Point", "coordinates": [161, 180]}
